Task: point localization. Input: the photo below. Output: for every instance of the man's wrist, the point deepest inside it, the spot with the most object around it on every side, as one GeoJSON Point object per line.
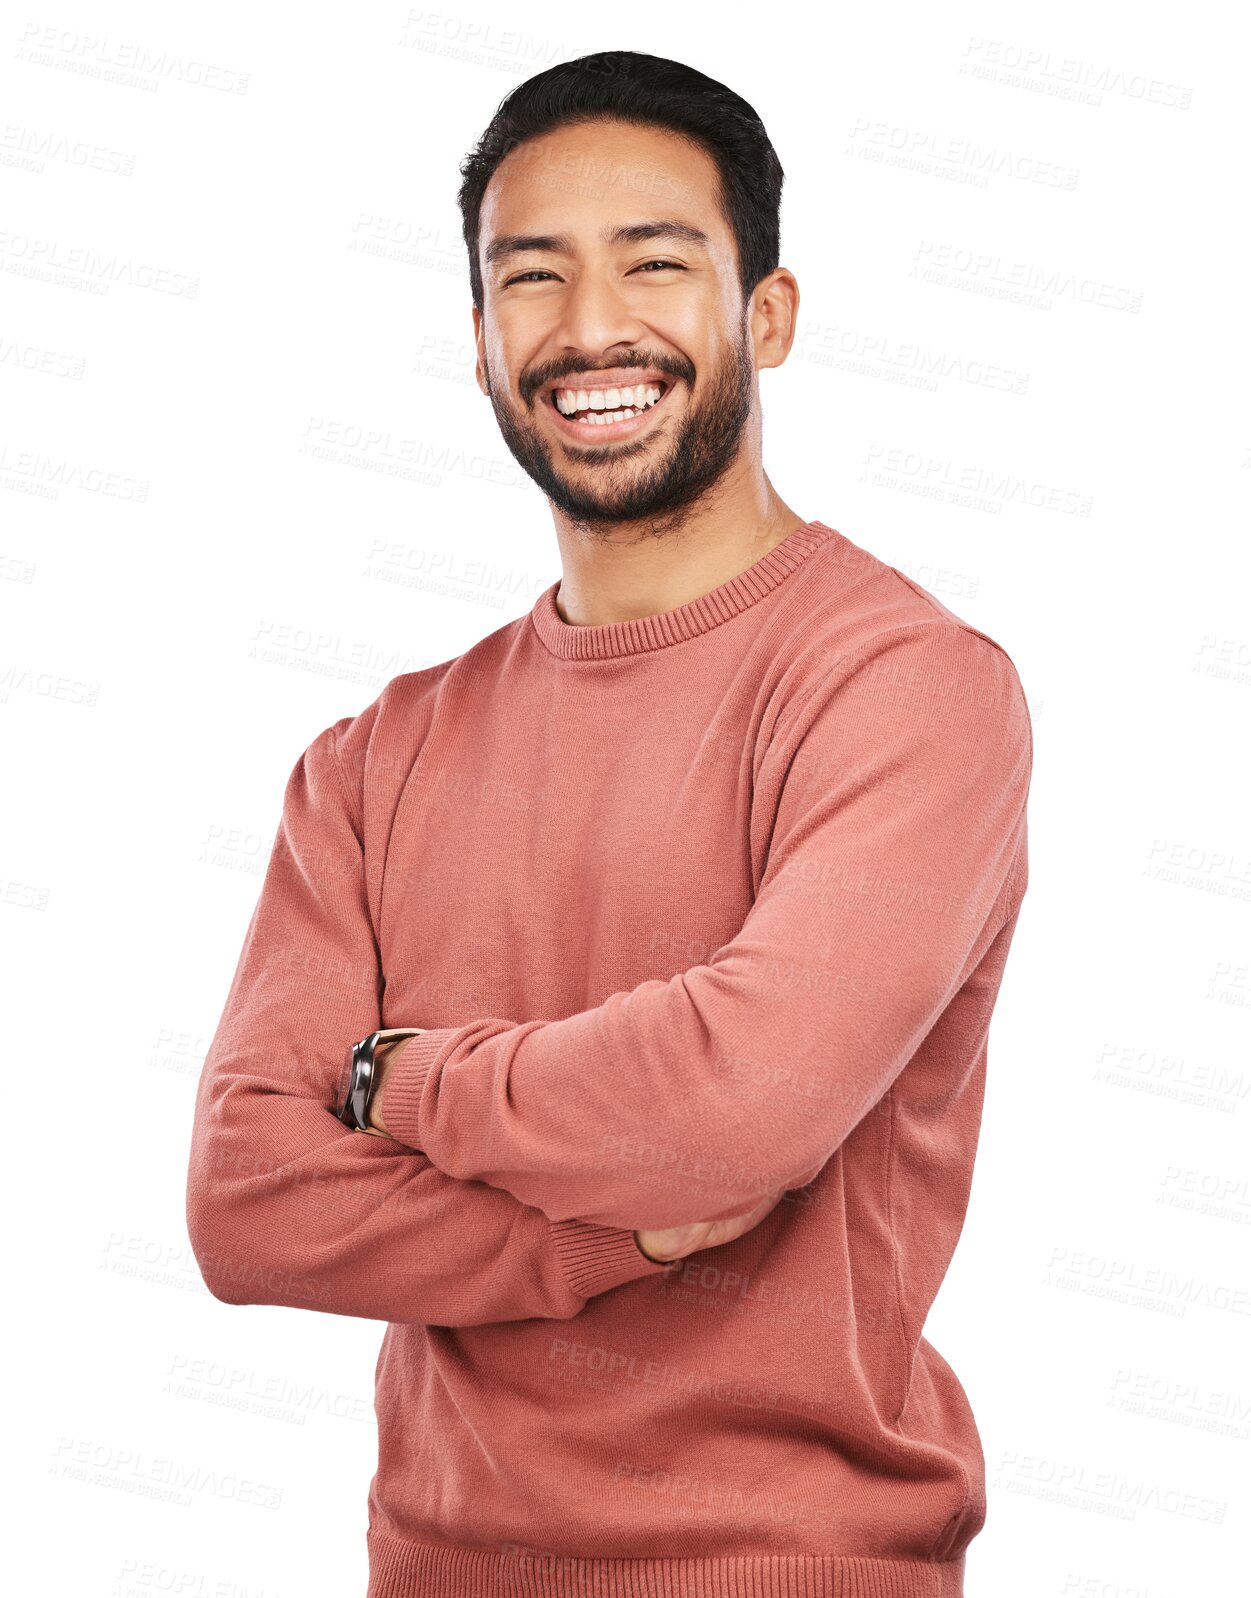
{"type": "Point", "coordinates": [382, 1062]}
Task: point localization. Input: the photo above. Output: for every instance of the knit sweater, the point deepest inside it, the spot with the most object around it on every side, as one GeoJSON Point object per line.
{"type": "Point", "coordinates": [693, 908]}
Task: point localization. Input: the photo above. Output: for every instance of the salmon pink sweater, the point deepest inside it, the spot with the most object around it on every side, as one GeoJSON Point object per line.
{"type": "Point", "coordinates": [693, 908]}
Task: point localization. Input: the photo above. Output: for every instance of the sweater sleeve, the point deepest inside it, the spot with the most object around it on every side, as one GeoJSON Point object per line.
{"type": "Point", "coordinates": [896, 855]}
{"type": "Point", "coordinates": [287, 1205]}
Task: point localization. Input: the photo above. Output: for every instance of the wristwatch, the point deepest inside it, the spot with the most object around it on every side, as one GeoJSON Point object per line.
{"type": "Point", "coordinates": [360, 1076]}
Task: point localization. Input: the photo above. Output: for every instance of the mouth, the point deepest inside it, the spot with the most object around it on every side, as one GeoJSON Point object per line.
{"type": "Point", "coordinates": [588, 425]}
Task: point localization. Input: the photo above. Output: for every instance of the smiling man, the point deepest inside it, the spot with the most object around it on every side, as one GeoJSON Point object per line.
{"type": "Point", "coordinates": [561, 425]}
{"type": "Point", "coordinates": [613, 1018]}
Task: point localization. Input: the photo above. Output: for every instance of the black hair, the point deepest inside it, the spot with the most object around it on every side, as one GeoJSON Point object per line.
{"type": "Point", "coordinates": [625, 86]}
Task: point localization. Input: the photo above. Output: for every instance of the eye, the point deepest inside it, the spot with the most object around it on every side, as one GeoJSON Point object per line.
{"type": "Point", "coordinates": [538, 272]}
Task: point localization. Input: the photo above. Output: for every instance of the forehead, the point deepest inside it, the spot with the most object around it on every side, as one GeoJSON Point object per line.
{"type": "Point", "coordinates": [580, 180]}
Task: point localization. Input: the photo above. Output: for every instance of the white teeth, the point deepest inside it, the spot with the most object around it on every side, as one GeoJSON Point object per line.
{"type": "Point", "coordinates": [612, 402]}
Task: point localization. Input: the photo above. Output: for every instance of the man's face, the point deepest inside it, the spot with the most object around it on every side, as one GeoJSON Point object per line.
{"type": "Point", "coordinates": [586, 312]}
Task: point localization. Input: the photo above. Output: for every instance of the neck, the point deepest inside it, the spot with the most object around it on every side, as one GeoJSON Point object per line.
{"type": "Point", "coordinates": [636, 569]}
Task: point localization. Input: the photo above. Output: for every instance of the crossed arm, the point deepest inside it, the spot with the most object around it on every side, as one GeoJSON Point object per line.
{"type": "Point", "coordinates": [897, 854]}
{"type": "Point", "coordinates": [285, 1204]}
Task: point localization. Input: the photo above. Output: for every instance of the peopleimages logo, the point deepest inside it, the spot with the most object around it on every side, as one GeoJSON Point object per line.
{"type": "Point", "coordinates": [129, 63]}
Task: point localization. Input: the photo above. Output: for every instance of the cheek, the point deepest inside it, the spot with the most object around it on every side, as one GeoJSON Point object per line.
{"type": "Point", "coordinates": [510, 358]}
{"type": "Point", "coordinates": [692, 331]}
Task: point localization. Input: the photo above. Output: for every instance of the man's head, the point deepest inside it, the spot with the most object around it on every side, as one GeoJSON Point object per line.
{"type": "Point", "coordinates": [621, 214]}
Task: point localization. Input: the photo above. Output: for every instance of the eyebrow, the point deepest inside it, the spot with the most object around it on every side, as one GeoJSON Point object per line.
{"type": "Point", "coordinates": [561, 244]}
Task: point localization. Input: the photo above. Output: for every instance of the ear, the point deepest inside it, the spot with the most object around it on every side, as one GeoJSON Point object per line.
{"type": "Point", "coordinates": [480, 362]}
{"type": "Point", "coordinates": [774, 317]}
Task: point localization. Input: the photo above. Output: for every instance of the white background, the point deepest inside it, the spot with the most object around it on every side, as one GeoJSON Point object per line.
{"type": "Point", "coordinates": [227, 261]}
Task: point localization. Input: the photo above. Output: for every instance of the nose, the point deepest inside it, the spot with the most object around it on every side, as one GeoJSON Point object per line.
{"type": "Point", "coordinates": [596, 317]}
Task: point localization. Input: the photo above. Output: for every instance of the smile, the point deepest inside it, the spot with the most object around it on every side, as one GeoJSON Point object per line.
{"type": "Point", "coordinates": [589, 426]}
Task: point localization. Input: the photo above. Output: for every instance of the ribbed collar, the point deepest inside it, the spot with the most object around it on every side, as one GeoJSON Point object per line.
{"type": "Point", "coordinates": [644, 633]}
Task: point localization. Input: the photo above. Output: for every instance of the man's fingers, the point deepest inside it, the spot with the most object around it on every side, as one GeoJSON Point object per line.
{"type": "Point", "coordinates": [676, 1242]}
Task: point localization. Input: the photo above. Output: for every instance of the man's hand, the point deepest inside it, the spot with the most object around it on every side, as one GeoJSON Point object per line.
{"type": "Point", "coordinates": [676, 1242]}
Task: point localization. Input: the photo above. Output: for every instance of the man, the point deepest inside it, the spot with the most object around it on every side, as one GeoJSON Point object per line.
{"type": "Point", "coordinates": [690, 893]}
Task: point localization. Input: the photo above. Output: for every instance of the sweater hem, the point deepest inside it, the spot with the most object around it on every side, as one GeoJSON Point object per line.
{"type": "Point", "coordinates": [402, 1569]}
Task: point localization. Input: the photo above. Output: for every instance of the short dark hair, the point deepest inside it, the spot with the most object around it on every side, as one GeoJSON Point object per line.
{"type": "Point", "coordinates": [625, 86]}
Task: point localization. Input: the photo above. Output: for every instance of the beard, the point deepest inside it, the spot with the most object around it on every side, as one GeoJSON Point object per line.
{"type": "Point", "coordinates": [650, 478]}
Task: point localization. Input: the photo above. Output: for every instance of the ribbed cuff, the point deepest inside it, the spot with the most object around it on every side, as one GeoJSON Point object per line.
{"type": "Point", "coordinates": [596, 1257]}
{"type": "Point", "coordinates": [407, 1066]}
